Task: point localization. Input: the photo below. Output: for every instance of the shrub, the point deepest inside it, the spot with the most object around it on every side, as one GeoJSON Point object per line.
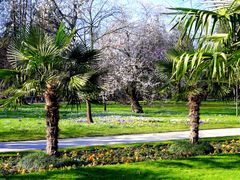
{"type": "Point", "coordinates": [185, 148]}
{"type": "Point", "coordinates": [37, 161]}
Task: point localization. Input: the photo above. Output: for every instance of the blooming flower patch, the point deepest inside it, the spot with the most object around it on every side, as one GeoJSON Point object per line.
{"type": "Point", "coordinates": [106, 156]}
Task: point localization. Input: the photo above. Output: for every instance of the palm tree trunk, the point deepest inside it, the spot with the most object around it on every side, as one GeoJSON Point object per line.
{"type": "Point", "coordinates": [52, 118]}
{"type": "Point", "coordinates": [89, 111]}
{"type": "Point", "coordinates": [194, 102]}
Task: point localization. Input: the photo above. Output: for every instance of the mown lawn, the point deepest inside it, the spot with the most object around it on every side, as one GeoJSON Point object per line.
{"type": "Point", "coordinates": [219, 167]}
{"type": "Point", "coordinates": [28, 123]}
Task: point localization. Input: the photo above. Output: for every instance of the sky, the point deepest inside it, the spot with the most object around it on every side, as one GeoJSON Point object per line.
{"type": "Point", "coordinates": [134, 6]}
{"type": "Point", "coordinates": [168, 3]}
{"type": "Point", "coordinates": [160, 3]}
{"type": "Point", "coordinates": [135, 9]}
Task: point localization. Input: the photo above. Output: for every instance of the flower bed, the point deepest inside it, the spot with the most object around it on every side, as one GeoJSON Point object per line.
{"type": "Point", "coordinates": [104, 156]}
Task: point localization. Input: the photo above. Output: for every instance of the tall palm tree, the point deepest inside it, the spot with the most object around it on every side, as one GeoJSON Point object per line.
{"type": "Point", "coordinates": [194, 85]}
{"type": "Point", "coordinates": [40, 58]}
{"type": "Point", "coordinates": [216, 57]}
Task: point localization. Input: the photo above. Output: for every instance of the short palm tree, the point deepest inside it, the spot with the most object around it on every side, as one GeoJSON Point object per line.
{"type": "Point", "coordinates": [41, 60]}
{"type": "Point", "coordinates": [217, 56]}
{"type": "Point", "coordinates": [83, 60]}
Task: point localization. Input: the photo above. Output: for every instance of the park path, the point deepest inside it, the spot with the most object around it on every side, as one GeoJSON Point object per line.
{"type": "Point", "coordinates": [119, 139]}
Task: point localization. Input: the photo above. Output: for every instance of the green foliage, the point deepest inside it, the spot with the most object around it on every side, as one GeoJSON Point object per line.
{"type": "Point", "coordinates": [84, 74]}
{"type": "Point", "coordinates": [37, 161]}
{"type": "Point", "coordinates": [185, 148]}
{"type": "Point", "coordinates": [5, 73]}
{"type": "Point", "coordinates": [216, 57]}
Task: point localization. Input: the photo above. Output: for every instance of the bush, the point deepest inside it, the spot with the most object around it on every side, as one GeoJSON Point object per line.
{"type": "Point", "coordinates": [185, 148]}
{"type": "Point", "coordinates": [37, 161]}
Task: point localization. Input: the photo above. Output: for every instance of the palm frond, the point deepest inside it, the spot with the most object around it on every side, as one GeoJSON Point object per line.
{"type": "Point", "coordinates": [77, 82]}
{"type": "Point", "coordinates": [63, 38]}
{"type": "Point", "coordinates": [82, 55]}
{"type": "Point", "coordinates": [6, 73]}
{"type": "Point", "coordinates": [13, 99]}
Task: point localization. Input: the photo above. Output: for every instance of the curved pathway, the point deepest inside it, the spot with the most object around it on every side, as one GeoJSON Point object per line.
{"type": "Point", "coordinates": [120, 139]}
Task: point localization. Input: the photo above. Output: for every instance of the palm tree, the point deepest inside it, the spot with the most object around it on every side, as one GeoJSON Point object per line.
{"type": "Point", "coordinates": [90, 92]}
{"type": "Point", "coordinates": [216, 57]}
{"type": "Point", "coordinates": [84, 62]}
{"type": "Point", "coordinates": [41, 60]}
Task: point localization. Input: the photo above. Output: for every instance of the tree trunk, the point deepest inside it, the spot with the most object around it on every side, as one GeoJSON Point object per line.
{"type": "Point", "coordinates": [135, 106]}
{"type": "Point", "coordinates": [52, 118]}
{"type": "Point", "coordinates": [194, 102]}
{"type": "Point", "coordinates": [89, 111]}
{"type": "Point", "coordinates": [104, 103]}
{"type": "Point", "coordinates": [132, 94]}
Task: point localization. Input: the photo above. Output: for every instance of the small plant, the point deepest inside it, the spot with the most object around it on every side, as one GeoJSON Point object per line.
{"type": "Point", "coordinates": [37, 161]}
{"type": "Point", "coordinates": [227, 147]}
{"type": "Point", "coordinates": [185, 148]}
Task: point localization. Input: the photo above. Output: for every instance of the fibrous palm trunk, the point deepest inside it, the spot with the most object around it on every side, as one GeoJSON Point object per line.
{"type": "Point", "coordinates": [194, 102]}
{"type": "Point", "coordinates": [89, 111]}
{"type": "Point", "coordinates": [52, 118]}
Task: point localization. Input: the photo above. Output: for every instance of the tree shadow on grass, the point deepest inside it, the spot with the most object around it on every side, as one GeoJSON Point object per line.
{"type": "Point", "coordinates": [217, 162]}
{"type": "Point", "coordinates": [214, 162]}
{"type": "Point", "coordinates": [108, 173]}
{"type": "Point", "coordinates": [21, 135]}
{"type": "Point", "coordinates": [18, 114]}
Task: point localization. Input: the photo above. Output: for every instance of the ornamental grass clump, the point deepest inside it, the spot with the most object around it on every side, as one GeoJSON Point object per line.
{"type": "Point", "coordinates": [185, 148]}
{"type": "Point", "coordinates": [37, 161]}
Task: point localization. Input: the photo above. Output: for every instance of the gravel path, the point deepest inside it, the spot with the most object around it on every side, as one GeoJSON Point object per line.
{"type": "Point", "coordinates": [120, 139]}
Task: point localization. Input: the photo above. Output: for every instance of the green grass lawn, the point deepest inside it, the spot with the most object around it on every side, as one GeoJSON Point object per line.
{"type": "Point", "coordinates": [201, 167]}
{"type": "Point", "coordinates": [28, 123]}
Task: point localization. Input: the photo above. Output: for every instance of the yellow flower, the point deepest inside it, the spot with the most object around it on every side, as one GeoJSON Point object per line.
{"type": "Point", "coordinates": [91, 158]}
{"type": "Point", "coordinates": [100, 155]}
{"type": "Point", "coordinates": [74, 153]}
{"type": "Point", "coordinates": [137, 158]}
{"type": "Point", "coordinates": [50, 166]}
{"type": "Point", "coordinates": [228, 146]}
{"type": "Point", "coordinates": [23, 171]}
{"type": "Point", "coordinates": [5, 166]}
